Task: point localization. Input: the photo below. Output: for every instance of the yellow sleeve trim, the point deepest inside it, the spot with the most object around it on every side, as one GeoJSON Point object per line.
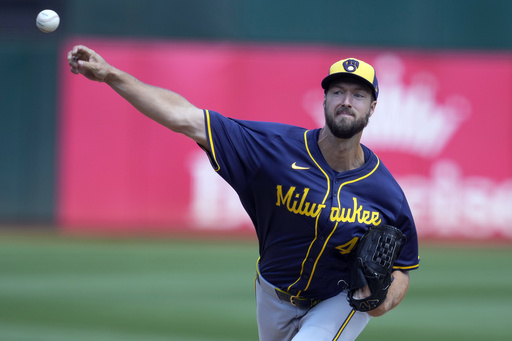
{"type": "Point", "coordinates": [412, 267]}
{"type": "Point", "coordinates": [211, 155]}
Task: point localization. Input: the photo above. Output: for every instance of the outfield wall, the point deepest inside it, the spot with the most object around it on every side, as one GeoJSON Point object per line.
{"type": "Point", "coordinates": [442, 126]}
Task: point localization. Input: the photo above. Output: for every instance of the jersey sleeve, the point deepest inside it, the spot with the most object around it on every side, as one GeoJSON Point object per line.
{"type": "Point", "coordinates": [237, 147]}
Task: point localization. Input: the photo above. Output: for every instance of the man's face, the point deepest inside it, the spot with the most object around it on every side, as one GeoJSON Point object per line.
{"type": "Point", "coordinates": [348, 105]}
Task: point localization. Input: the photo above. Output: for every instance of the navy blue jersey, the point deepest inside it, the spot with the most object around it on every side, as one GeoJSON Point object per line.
{"type": "Point", "coordinates": [307, 216]}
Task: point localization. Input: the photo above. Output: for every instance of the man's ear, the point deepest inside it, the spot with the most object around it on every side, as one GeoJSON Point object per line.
{"type": "Point", "coordinates": [372, 107]}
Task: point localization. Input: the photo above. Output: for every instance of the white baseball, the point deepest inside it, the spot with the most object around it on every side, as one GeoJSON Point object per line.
{"type": "Point", "coordinates": [47, 21]}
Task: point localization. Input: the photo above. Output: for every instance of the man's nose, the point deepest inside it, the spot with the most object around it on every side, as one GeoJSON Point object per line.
{"type": "Point", "coordinates": [346, 100]}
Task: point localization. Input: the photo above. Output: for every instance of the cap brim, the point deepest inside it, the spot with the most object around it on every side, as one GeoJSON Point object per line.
{"type": "Point", "coordinates": [329, 79]}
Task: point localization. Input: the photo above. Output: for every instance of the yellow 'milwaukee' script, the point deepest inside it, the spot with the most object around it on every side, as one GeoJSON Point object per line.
{"type": "Point", "coordinates": [356, 213]}
{"type": "Point", "coordinates": [297, 203]}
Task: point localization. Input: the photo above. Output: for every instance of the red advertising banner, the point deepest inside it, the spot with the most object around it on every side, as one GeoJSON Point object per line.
{"type": "Point", "coordinates": [443, 126]}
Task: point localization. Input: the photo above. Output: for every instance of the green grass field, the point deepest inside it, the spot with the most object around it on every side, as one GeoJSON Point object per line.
{"type": "Point", "coordinates": [154, 290]}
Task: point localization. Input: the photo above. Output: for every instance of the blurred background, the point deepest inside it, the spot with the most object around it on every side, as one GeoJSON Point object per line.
{"type": "Point", "coordinates": [113, 228]}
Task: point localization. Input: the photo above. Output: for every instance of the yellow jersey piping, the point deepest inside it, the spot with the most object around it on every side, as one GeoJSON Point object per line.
{"type": "Point", "coordinates": [210, 139]}
{"type": "Point", "coordinates": [336, 225]}
{"type": "Point", "coordinates": [318, 217]}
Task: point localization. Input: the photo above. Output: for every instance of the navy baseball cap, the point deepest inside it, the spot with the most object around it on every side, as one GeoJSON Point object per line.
{"type": "Point", "coordinates": [352, 67]}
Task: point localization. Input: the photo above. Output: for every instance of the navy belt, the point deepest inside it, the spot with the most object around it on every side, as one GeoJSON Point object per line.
{"type": "Point", "coordinates": [296, 301]}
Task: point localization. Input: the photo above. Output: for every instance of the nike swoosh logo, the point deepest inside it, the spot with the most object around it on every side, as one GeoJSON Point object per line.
{"type": "Point", "coordinates": [294, 166]}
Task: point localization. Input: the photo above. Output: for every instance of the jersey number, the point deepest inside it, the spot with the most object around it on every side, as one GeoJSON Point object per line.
{"type": "Point", "coordinates": [347, 247]}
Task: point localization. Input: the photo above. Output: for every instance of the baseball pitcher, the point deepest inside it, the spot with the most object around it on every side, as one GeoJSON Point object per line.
{"type": "Point", "coordinates": [336, 235]}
